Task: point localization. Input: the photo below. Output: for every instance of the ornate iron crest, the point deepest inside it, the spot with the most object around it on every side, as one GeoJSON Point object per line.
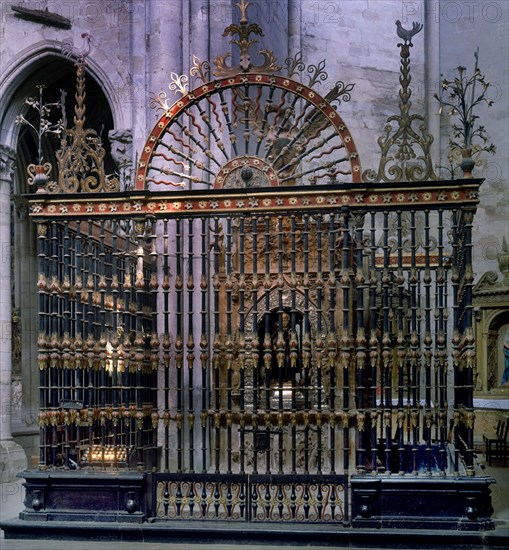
{"type": "Point", "coordinates": [81, 154]}
{"type": "Point", "coordinates": [283, 130]}
{"type": "Point", "coordinates": [399, 160]}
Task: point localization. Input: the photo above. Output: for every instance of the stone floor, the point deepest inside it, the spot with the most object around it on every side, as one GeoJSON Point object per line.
{"type": "Point", "coordinates": [11, 503]}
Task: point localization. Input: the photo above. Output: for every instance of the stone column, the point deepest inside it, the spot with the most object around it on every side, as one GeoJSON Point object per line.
{"type": "Point", "coordinates": [12, 455]}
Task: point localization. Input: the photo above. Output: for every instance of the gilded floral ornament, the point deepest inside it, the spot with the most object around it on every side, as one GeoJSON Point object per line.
{"type": "Point", "coordinates": [295, 64]}
{"type": "Point", "coordinates": [39, 173]}
{"type": "Point", "coordinates": [178, 83]}
{"type": "Point", "coordinates": [200, 69]}
{"type": "Point", "coordinates": [459, 98]}
{"type": "Point", "coordinates": [81, 155]}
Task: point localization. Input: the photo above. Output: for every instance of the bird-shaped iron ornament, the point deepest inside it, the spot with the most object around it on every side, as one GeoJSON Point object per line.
{"type": "Point", "coordinates": [80, 54]}
{"type": "Point", "coordinates": [405, 34]}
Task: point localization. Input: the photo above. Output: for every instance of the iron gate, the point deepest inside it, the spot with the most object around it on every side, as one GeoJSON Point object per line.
{"type": "Point", "coordinates": [256, 338]}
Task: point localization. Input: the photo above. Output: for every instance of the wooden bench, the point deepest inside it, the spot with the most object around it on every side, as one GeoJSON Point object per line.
{"type": "Point", "coordinates": [496, 447]}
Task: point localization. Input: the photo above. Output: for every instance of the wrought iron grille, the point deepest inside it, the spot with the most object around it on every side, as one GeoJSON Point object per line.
{"type": "Point", "coordinates": [273, 327]}
{"type": "Point", "coordinates": [254, 498]}
{"type": "Point", "coordinates": [320, 337]}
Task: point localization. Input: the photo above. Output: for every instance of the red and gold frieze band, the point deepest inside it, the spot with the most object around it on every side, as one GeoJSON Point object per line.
{"type": "Point", "coordinates": [253, 200]}
{"type": "Point", "coordinates": [379, 197]}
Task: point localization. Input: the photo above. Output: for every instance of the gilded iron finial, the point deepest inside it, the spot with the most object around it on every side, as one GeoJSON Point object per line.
{"type": "Point", "coordinates": [81, 155]}
{"type": "Point", "coordinates": [178, 83]}
{"type": "Point", "coordinates": [243, 10]}
{"type": "Point", "coordinates": [399, 160]}
{"type": "Point", "coordinates": [244, 42]}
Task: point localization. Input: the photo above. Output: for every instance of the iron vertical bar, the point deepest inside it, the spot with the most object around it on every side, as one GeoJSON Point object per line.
{"type": "Point", "coordinates": [428, 341]}
{"type": "Point", "coordinates": [360, 341]}
{"type": "Point", "coordinates": [155, 344]}
{"type": "Point", "coordinates": [255, 343]}
{"type": "Point", "coordinates": [166, 342]}
{"type": "Point", "coordinates": [267, 343]}
{"type": "Point", "coordinates": [282, 340]}
{"type": "Point", "coordinates": [414, 341]}
{"type": "Point", "coordinates": [66, 317]}
{"type": "Point", "coordinates": [306, 344]}
{"type": "Point", "coordinates": [374, 345]}
{"type": "Point", "coordinates": [54, 321]}
{"type": "Point", "coordinates": [115, 342]}
{"type": "Point", "coordinates": [80, 314]}
{"type": "Point", "coordinates": [179, 344]}
{"type": "Point", "coordinates": [345, 341]}
{"type": "Point", "coordinates": [89, 344]}
{"type": "Point", "coordinates": [294, 345]}
{"type": "Point", "coordinates": [320, 338]}
{"type": "Point", "coordinates": [401, 350]}
{"type": "Point", "coordinates": [441, 343]}
{"type": "Point", "coordinates": [216, 360]}
{"type": "Point", "coordinates": [126, 293]}
{"type": "Point", "coordinates": [102, 319]}
{"type": "Point", "coordinates": [242, 343]}
{"type": "Point", "coordinates": [204, 340]}
{"type": "Point", "coordinates": [386, 342]}
{"type": "Point", "coordinates": [114, 284]}
{"type": "Point", "coordinates": [43, 341]}
{"type": "Point", "coordinates": [139, 341]}
{"type": "Point", "coordinates": [332, 283]}
{"type": "Point", "coordinates": [190, 340]}
{"type": "Point", "coordinates": [229, 343]}
{"type": "Point", "coordinates": [54, 339]}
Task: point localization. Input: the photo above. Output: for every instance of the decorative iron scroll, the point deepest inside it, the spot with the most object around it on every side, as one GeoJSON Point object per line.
{"type": "Point", "coordinates": [254, 498]}
{"type": "Point", "coordinates": [399, 161]}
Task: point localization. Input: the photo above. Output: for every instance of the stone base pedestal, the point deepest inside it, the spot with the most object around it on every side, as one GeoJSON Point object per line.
{"type": "Point", "coordinates": [407, 502]}
{"type": "Point", "coordinates": [54, 496]}
{"type": "Point", "coordinates": [12, 460]}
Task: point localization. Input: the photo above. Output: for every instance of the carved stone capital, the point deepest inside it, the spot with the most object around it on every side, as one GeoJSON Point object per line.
{"type": "Point", "coordinates": [121, 146]}
{"type": "Point", "coordinates": [7, 162]}
{"type": "Point", "coordinates": [20, 205]}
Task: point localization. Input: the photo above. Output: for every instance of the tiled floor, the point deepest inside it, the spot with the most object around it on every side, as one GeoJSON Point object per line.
{"type": "Point", "coordinates": [11, 503]}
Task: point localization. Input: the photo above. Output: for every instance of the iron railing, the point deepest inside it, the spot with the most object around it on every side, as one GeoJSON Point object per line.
{"type": "Point", "coordinates": [311, 330]}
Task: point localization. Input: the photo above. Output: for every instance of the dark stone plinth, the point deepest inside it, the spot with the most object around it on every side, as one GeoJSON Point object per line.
{"type": "Point", "coordinates": [281, 534]}
{"type": "Point", "coordinates": [84, 496]}
{"type": "Point", "coordinates": [408, 502]}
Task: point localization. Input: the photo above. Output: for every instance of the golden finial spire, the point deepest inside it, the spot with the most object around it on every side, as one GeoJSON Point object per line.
{"type": "Point", "coordinates": [243, 9]}
{"type": "Point", "coordinates": [245, 32]}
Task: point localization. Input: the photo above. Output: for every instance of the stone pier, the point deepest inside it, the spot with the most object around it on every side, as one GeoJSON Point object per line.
{"type": "Point", "coordinates": [12, 455]}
